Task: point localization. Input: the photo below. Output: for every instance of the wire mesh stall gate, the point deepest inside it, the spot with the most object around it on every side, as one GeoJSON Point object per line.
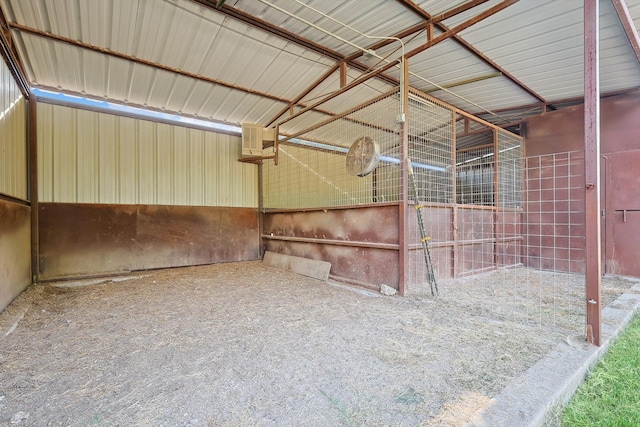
{"type": "Point", "coordinates": [502, 233]}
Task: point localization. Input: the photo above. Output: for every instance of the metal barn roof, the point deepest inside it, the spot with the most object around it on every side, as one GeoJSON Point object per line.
{"type": "Point", "coordinates": [257, 61]}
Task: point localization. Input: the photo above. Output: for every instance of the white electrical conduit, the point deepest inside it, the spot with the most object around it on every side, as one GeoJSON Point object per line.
{"type": "Point", "coordinates": [370, 52]}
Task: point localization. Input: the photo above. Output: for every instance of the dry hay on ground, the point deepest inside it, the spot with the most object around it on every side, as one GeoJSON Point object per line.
{"type": "Point", "coordinates": [244, 344]}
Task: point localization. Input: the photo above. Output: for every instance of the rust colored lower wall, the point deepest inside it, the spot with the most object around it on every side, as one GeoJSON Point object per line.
{"type": "Point", "coordinates": [15, 250]}
{"type": "Point", "coordinates": [79, 240]}
{"type": "Point", "coordinates": [361, 243]}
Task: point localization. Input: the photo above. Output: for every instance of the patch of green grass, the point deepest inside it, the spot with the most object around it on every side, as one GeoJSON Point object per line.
{"type": "Point", "coordinates": [611, 394]}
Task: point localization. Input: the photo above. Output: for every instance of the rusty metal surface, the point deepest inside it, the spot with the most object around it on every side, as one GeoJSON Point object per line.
{"type": "Point", "coordinates": [593, 246]}
{"type": "Point", "coordinates": [555, 132]}
{"type": "Point", "coordinates": [437, 223]}
{"type": "Point", "coordinates": [475, 240]}
{"type": "Point", "coordinates": [508, 238]}
{"type": "Point", "coordinates": [368, 265]}
{"type": "Point", "coordinates": [370, 224]}
{"type": "Point", "coordinates": [626, 228]}
{"type": "Point", "coordinates": [78, 240]}
{"type": "Point", "coordinates": [183, 235]}
{"type": "Point", "coordinates": [15, 250]}
{"type": "Point", "coordinates": [475, 224]}
{"type": "Point", "coordinates": [361, 228]}
{"type": "Point", "coordinates": [619, 124]}
{"type": "Point", "coordinates": [563, 130]}
{"type": "Point", "coordinates": [623, 187]}
{"type": "Point", "coordinates": [32, 135]}
{"type": "Point", "coordinates": [623, 214]}
{"type": "Point", "coordinates": [94, 239]}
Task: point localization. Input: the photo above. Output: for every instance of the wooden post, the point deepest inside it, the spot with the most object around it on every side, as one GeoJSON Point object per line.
{"type": "Point", "coordinates": [592, 170]}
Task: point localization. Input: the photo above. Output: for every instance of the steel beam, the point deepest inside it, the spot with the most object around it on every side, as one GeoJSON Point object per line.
{"type": "Point", "coordinates": [629, 27]}
{"type": "Point", "coordinates": [34, 198]}
{"type": "Point", "coordinates": [450, 32]}
{"type": "Point", "coordinates": [304, 93]}
{"type": "Point", "coordinates": [593, 257]}
{"type": "Point", "coordinates": [10, 54]}
{"type": "Point", "coordinates": [469, 47]}
{"type": "Point", "coordinates": [403, 232]}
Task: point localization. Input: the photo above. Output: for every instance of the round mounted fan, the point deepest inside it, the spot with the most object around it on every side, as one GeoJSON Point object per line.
{"type": "Point", "coordinates": [363, 156]}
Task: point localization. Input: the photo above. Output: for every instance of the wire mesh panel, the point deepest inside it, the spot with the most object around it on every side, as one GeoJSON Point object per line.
{"type": "Point", "coordinates": [431, 147]}
{"type": "Point", "coordinates": [312, 168]}
{"type": "Point", "coordinates": [475, 213]}
{"type": "Point", "coordinates": [474, 176]}
{"type": "Point", "coordinates": [531, 270]}
{"type": "Point", "coordinates": [553, 241]}
{"type": "Point", "coordinates": [430, 142]}
{"type": "Point", "coordinates": [509, 158]}
{"type": "Point", "coordinates": [554, 215]}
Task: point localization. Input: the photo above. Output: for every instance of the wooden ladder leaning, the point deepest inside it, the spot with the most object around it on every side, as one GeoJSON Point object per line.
{"type": "Point", "coordinates": [424, 239]}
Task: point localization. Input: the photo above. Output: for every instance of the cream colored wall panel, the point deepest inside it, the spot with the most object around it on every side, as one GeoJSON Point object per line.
{"type": "Point", "coordinates": [13, 139]}
{"type": "Point", "coordinates": [180, 166]}
{"type": "Point", "coordinates": [45, 152]}
{"type": "Point", "coordinates": [127, 161]}
{"type": "Point", "coordinates": [250, 185]}
{"type": "Point", "coordinates": [88, 164]}
{"type": "Point", "coordinates": [146, 162]}
{"type": "Point", "coordinates": [108, 158]}
{"type": "Point", "coordinates": [89, 157]}
{"type": "Point", "coordinates": [64, 155]}
{"type": "Point", "coordinates": [196, 168]}
{"type": "Point", "coordinates": [224, 179]}
{"type": "Point", "coordinates": [212, 184]}
{"type": "Point", "coordinates": [164, 158]}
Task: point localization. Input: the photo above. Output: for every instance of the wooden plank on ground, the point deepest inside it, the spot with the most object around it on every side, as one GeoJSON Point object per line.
{"type": "Point", "coordinates": [304, 266]}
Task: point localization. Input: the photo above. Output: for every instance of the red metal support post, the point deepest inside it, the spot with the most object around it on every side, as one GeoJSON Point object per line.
{"type": "Point", "coordinates": [592, 170]}
{"type": "Point", "coordinates": [403, 255]}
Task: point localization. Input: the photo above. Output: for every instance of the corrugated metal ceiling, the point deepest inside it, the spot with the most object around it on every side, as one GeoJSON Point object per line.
{"type": "Point", "coordinates": [251, 60]}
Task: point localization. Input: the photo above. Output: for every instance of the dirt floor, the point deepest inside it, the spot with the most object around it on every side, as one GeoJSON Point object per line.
{"type": "Point", "coordinates": [244, 344]}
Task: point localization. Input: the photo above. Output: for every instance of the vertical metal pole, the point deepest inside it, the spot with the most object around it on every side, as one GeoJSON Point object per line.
{"type": "Point", "coordinates": [261, 241]}
{"type": "Point", "coordinates": [343, 74]}
{"type": "Point", "coordinates": [592, 169]}
{"type": "Point", "coordinates": [455, 253]}
{"type": "Point", "coordinates": [496, 196]}
{"type": "Point", "coordinates": [32, 135]}
{"type": "Point", "coordinates": [403, 256]}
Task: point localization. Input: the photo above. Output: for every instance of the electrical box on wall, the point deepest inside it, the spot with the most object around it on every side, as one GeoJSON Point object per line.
{"type": "Point", "coordinates": [258, 141]}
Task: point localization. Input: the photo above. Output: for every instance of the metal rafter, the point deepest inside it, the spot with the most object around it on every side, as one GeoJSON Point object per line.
{"type": "Point", "coordinates": [342, 66]}
{"type": "Point", "coordinates": [351, 59]}
{"type": "Point", "coordinates": [288, 35]}
{"type": "Point", "coordinates": [304, 93]}
{"type": "Point", "coordinates": [627, 23]}
{"type": "Point", "coordinates": [452, 32]}
{"type": "Point", "coordinates": [410, 5]}
{"type": "Point", "coordinates": [444, 36]}
{"type": "Point", "coordinates": [58, 38]}
{"type": "Point", "coordinates": [10, 54]}
{"type": "Point", "coordinates": [109, 52]}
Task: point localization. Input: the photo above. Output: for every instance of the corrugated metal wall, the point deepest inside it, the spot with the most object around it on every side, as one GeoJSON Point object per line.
{"type": "Point", "coordinates": [90, 157]}
{"type": "Point", "coordinates": [13, 137]}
